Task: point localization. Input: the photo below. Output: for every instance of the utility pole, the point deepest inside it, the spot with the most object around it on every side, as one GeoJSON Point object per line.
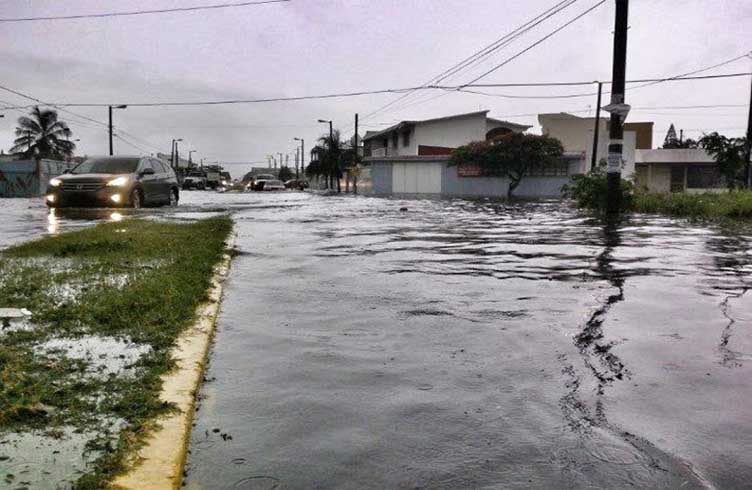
{"type": "Point", "coordinates": [749, 139]}
{"type": "Point", "coordinates": [110, 124]}
{"type": "Point", "coordinates": [110, 127]}
{"type": "Point", "coordinates": [594, 159]}
{"type": "Point", "coordinates": [280, 159]}
{"type": "Point", "coordinates": [297, 162]}
{"type": "Point", "coordinates": [617, 107]}
{"type": "Point", "coordinates": [357, 155]}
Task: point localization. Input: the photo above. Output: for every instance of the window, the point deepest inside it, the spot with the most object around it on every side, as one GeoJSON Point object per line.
{"type": "Point", "coordinates": [703, 177]}
{"type": "Point", "coordinates": [158, 167]}
{"type": "Point", "coordinates": [395, 139]}
{"type": "Point", "coordinates": [555, 169]}
{"type": "Point", "coordinates": [406, 138]}
{"type": "Point", "coordinates": [146, 163]}
{"type": "Point", "coordinates": [111, 165]}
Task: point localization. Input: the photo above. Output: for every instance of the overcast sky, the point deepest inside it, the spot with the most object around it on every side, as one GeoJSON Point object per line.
{"type": "Point", "coordinates": [307, 47]}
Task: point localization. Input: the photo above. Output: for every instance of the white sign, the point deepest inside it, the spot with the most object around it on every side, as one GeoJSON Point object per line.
{"type": "Point", "coordinates": [620, 110]}
{"type": "Point", "coordinates": [614, 163]}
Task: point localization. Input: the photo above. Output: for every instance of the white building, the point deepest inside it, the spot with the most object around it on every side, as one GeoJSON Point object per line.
{"type": "Point", "coordinates": [438, 136]}
{"type": "Point", "coordinates": [678, 170]}
{"type": "Point", "coordinates": [576, 135]}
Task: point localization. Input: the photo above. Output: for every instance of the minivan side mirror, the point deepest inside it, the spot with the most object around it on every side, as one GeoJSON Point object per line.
{"type": "Point", "coordinates": [147, 171]}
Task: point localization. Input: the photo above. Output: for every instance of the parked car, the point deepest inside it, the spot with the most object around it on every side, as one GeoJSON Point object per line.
{"type": "Point", "coordinates": [194, 180]}
{"type": "Point", "coordinates": [270, 185]}
{"type": "Point", "coordinates": [115, 182]}
{"type": "Point", "coordinates": [296, 184]}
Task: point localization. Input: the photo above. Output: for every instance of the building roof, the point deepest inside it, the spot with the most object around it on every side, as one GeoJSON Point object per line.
{"type": "Point", "coordinates": [402, 124]}
{"type": "Point", "coordinates": [674, 155]}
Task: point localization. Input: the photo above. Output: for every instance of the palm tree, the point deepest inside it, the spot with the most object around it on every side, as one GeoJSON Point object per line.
{"type": "Point", "coordinates": [330, 157]}
{"type": "Point", "coordinates": [42, 136]}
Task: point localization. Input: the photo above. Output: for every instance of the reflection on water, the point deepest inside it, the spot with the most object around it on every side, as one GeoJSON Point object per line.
{"type": "Point", "coordinates": [379, 343]}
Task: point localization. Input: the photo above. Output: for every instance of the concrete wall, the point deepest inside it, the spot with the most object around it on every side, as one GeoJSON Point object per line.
{"type": "Point", "coordinates": [29, 178]}
{"type": "Point", "coordinates": [576, 134]}
{"type": "Point", "coordinates": [454, 186]}
{"type": "Point", "coordinates": [530, 187]}
{"type": "Point", "coordinates": [450, 133]}
{"type": "Point", "coordinates": [381, 178]}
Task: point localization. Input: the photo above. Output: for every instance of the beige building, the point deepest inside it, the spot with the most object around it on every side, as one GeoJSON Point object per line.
{"type": "Point", "coordinates": [677, 170]}
{"type": "Point", "coordinates": [576, 135]}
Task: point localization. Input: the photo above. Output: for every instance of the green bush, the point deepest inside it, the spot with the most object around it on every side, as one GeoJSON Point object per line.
{"type": "Point", "coordinates": [590, 191]}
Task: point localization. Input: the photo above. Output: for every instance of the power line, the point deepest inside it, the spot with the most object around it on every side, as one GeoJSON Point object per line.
{"type": "Point", "coordinates": [486, 51]}
{"type": "Point", "coordinates": [81, 116]}
{"type": "Point", "coordinates": [536, 43]}
{"type": "Point", "coordinates": [142, 12]}
{"type": "Point", "coordinates": [513, 57]}
{"type": "Point", "coordinates": [63, 105]}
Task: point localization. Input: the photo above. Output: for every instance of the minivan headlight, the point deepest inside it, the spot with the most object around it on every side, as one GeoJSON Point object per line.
{"type": "Point", "coordinates": [55, 182]}
{"type": "Point", "coordinates": [118, 182]}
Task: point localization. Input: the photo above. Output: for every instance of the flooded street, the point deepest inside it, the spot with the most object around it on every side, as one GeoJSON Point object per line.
{"type": "Point", "coordinates": [372, 343]}
{"type": "Point", "coordinates": [384, 343]}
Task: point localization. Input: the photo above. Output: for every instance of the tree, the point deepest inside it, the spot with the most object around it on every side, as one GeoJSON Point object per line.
{"type": "Point", "coordinates": [285, 173]}
{"type": "Point", "coordinates": [510, 156]}
{"type": "Point", "coordinates": [329, 162]}
{"type": "Point", "coordinates": [42, 135]}
{"type": "Point", "coordinates": [672, 142]}
{"type": "Point", "coordinates": [730, 153]}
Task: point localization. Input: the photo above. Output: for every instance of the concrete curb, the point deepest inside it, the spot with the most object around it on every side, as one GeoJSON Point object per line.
{"type": "Point", "coordinates": [159, 464]}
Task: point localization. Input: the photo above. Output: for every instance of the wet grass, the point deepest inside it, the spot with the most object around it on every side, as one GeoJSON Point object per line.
{"type": "Point", "coordinates": [734, 205]}
{"type": "Point", "coordinates": [169, 268]}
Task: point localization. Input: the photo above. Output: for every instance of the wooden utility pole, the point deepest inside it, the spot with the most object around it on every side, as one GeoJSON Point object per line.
{"type": "Point", "coordinates": [617, 107]}
{"type": "Point", "coordinates": [749, 139]}
{"type": "Point", "coordinates": [594, 159]}
{"type": "Point", "coordinates": [109, 127]}
{"type": "Point", "coordinates": [357, 154]}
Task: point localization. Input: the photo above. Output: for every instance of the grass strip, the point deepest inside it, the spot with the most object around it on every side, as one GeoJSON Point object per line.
{"type": "Point", "coordinates": [137, 280]}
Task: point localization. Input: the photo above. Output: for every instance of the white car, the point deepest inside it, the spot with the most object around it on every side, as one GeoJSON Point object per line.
{"type": "Point", "coordinates": [270, 185]}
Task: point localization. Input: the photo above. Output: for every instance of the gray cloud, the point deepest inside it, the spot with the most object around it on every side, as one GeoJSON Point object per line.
{"type": "Point", "coordinates": [322, 46]}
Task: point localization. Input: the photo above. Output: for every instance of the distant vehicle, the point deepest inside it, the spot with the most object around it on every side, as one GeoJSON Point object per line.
{"type": "Point", "coordinates": [296, 184]}
{"type": "Point", "coordinates": [213, 179]}
{"type": "Point", "coordinates": [226, 179]}
{"type": "Point", "coordinates": [270, 185]}
{"type": "Point", "coordinates": [115, 182]}
{"type": "Point", "coordinates": [194, 180]}
{"type": "Point", "coordinates": [257, 184]}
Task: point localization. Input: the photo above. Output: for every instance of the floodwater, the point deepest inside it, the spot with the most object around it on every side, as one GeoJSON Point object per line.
{"type": "Point", "coordinates": [386, 343]}
{"type": "Point", "coordinates": [383, 343]}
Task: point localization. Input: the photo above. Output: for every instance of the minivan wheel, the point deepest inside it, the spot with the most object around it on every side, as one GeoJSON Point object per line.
{"type": "Point", "coordinates": [173, 197]}
{"type": "Point", "coordinates": [137, 200]}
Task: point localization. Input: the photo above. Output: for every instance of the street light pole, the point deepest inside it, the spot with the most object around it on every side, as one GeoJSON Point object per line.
{"type": "Point", "coordinates": [749, 139]}
{"type": "Point", "coordinates": [110, 118]}
{"type": "Point", "coordinates": [302, 156]}
{"type": "Point", "coordinates": [617, 108]}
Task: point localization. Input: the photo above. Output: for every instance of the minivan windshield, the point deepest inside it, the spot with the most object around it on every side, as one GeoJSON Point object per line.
{"type": "Point", "coordinates": [107, 166]}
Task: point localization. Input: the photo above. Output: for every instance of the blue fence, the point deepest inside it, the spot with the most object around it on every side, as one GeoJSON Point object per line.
{"type": "Point", "coordinates": [28, 178]}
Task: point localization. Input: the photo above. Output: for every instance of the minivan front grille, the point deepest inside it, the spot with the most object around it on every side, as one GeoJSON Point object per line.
{"type": "Point", "coordinates": [82, 186]}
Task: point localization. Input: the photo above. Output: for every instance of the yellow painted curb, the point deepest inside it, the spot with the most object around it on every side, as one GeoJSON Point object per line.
{"type": "Point", "coordinates": [159, 464]}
